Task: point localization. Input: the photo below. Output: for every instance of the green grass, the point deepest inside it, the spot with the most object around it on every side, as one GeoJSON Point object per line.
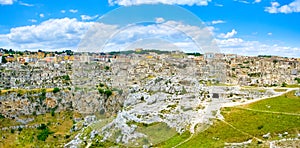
{"type": "Point", "coordinates": [249, 124]}
{"type": "Point", "coordinates": [293, 86]}
{"type": "Point", "coordinates": [176, 139]}
{"type": "Point", "coordinates": [157, 133]}
{"type": "Point", "coordinates": [288, 103]}
{"type": "Point", "coordinates": [280, 90]}
{"type": "Point", "coordinates": [58, 126]}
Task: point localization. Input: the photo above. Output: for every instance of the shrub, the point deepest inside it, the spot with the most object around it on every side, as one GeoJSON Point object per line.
{"type": "Point", "coordinates": [1, 116]}
{"type": "Point", "coordinates": [106, 67]}
{"type": "Point", "coordinates": [44, 133]}
{"type": "Point", "coordinates": [66, 77]}
{"type": "Point", "coordinates": [108, 92]}
{"type": "Point", "coordinates": [284, 84]}
{"type": "Point", "coordinates": [260, 127]}
{"type": "Point", "coordinates": [55, 90]}
{"type": "Point", "coordinates": [52, 111]}
{"type": "Point", "coordinates": [101, 84]}
{"type": "Point", "coordinates": [101, 91]}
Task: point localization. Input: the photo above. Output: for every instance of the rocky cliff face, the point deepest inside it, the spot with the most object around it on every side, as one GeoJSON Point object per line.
{"type": "Point", "coordinates": [13, 104]}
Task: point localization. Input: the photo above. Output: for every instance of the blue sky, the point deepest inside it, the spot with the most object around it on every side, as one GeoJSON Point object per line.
{"type": "Point", "coordinates": [247, 27]}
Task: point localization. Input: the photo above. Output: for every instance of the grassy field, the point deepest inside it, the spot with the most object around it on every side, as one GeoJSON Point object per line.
{"type": "Point", "coordinates": [58, 126]}
{"type": "Point", "coordinates": [247, 122]}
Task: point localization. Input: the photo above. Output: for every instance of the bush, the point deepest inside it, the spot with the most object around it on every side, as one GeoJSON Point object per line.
{"type": "Point", "coordinates": [101, 91]}
{"type": "Point", "coordinates": [108, 92]}
{"type": "Point", "coordinates": [44, 133]}
{"type": "Point", "coordinates": [52, 111]}
{"type": "Point", "coordinates": [66, 77]}
{"type": "Point", "coordinates": [43, 95]}
{"type": "Point", "coordinates": [42, 127]}
{"type": "Point", "coordinates": [20, 129]}
{"type": "Point", "coordinates": [101, 84]}
{"type": "Point", "coordinates": [260, 127]}
{"type": "Point", "coordinates": [106, 67]}
{"type": "Point", "coordinates": [55, 90]}
{"type": "Point", "coordinates": [1, 116]}
{"type": "Point", "coordinates": [284, 84]}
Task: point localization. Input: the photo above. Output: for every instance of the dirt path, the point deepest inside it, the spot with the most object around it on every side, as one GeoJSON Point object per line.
{"type": "Point", "coordinates": [272, 112]}
{"type": "Point", "coordinates": [240, 130]}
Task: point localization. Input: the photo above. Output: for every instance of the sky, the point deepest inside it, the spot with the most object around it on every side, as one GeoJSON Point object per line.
{"type": "Point", "coordinates": [246, 27]}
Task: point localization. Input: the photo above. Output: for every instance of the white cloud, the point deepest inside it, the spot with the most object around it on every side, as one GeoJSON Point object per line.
{"type": "Point", "coordinates": [32, 20]}
{"type": "Point", "coordinates": [289, 8]}
{"type": "Point", "coordinates": [217, 22]}
{"type": "Point", "coordinates": [73, 10]}
{"type": "Point", "coordinates": [242, 1]}
{"type": "Point", "coordinates": [254, 48]}
{"type": "Point", "coordinates": [67, 33]}
{"type": "Point", "coordinates": [219, 5]}
{"type": "Point", "coordinates": [6, 2]}
{"type": "Point", "coordinates": [25, 4]}
{"type": "Point", "coordinates": [50, 34]}
{"type": "Point", "coordinates": [228, 34]}
{"type": "Point", "coordinates": [168, 2]}
{"type": "Point", "coordinates": [42, 15]}
{"type": "Point", "coordinates": [87, 18]}
{"type": "Point", "coordinates": [257, 1]}
{"type": "Point", "coordinates": [270, 33]}
{"type": "Point", "coordinates": [159, 20]}
{"type": "Point", "coordinates": [62, 11]}
{"type": "Point", "coordinates": [183, 36]}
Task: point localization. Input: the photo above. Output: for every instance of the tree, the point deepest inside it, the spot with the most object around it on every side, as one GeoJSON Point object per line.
{"type": "Point", "coordinates": [4, 59]}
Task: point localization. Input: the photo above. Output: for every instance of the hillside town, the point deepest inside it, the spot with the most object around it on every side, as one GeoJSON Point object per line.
{"type": "Point", "coordinates": [44, 69]}
{"type": "Point", "coordinates": [181, 90]}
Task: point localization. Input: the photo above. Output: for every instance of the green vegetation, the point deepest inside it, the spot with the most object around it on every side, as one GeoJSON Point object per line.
{"type": "Point", "coordinates": [156, 133]}
{"type": "Point", "coordinates": [54, 131]}
{"type": "Point", "coordinates": [284, 84]}
{"type": "Point", "coordinates": [298, 80]}
{"type": "Point", "coordinates": [55, 90]}
{"type": "Point", "coordinates": [176, 139]}
{"type": "Point", "coordinates": [246, 122]}
{"type": "Point", "coordinates": [106, 67]}
{"type": "Point", "coordinates": [265, 56]}
{"type": "Point", "coordinates": [44, 132]}
{"type": "Point", "coordinates": [258, 74]}
{"type": "Point", "coordinates": [42, 96]}
{"type": "Point", "coordinates": [4, 59]}
{"type": "Point", "coordinates": [103, 89]}
{"type": "Point", "coordinates": [1, 116]}
{"type": "Point", "coordinates": [108, 93]}
{"type": "Point", "coordinates": [280, 90]}
{"type": "Point", "coordinates": [195, 54]}
{"type": "Point", "coordinates": [66, 77]}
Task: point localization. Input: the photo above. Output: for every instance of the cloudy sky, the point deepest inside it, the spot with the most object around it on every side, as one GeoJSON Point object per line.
{"type": "Point", "coordinates": [248, 27]}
